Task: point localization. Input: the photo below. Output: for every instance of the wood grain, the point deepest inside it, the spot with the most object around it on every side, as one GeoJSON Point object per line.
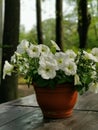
{"type": "Point", "coordinates": [25, 114]}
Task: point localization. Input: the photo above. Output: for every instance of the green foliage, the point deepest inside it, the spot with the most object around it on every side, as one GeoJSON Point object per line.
{"type": "Point", "coordinates": [93, 33]}
{"type": "Point", "coordinates": [84, 71]}
{"type": "Point", "coordinates": [70, 33]}
{"type": "Point", "coordinates": [48, 30]}
{"type": "Point", "coordinates": [30, 36]}
{"type": "Point", "coordinates": [70, 36]}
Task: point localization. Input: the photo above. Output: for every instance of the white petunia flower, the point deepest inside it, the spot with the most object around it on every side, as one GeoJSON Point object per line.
{"type": "Point", "coordinates": [44, 49]}
{"type": "Point", "coordinates": [76, 79]}
{"type": "Point", "coordinates": [93, 87]}
{"type": "Point", "coordinates": [47, 71]}
{"type": "Point", "coordinates": [93, 74]}
{"type": "Point", "coordinates": [55, 45]}
{"type": "Point", "coordinates": [60, 58]}
{"type": "Point", "coordinates": [70, 54]}
{"type": "Point", "coordinates": [70, 68]}
{"type": "Point", "coordinates": [90, 56]}
{"type": "Point", "coordinates": [95, 52]}
{"type": "Point", "coordinates": [48, 59]}
{"type": "Point", "coordinates": [22, 47]}
{"type": "Point", "coordinates": [15, 57]}
{"type": "Point", "coordinates": [33, 51]}
{"type": "Point", "coordinates": [7, 69]}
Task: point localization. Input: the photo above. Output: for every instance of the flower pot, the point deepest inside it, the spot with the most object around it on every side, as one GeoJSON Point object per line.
{"type": "Point", "coordinates": [58, 102]}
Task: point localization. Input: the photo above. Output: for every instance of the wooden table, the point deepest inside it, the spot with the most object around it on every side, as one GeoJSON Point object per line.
{"type": "Point", "coordinates": [25, 114]}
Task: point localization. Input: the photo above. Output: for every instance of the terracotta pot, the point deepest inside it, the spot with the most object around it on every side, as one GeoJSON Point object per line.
{"type": "Point", "coordinates": [58, 102]}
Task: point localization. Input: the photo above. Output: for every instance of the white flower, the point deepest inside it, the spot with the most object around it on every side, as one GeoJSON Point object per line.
{"type": "Point", "coordinates": [77, 80]}
{"type": "Point", "coordinates": [15, 57]}
{"type": "Point", "coordinates": [44, 49]}
{"type": "Point", "coordinates": [93, 87]}
{"type": "Point", "coordinates": [93, 74]}
{"type": "Point", "coordinates": [48, 59]}
{"type": "Point", "coordinates": [70, 54]}
{"type": "Point", "coordinates": [55, 45]}
{"type": "Point", "coordinates": [33, 51]}
{"type": "Point", "coordinates": [70, 68]}
{"type": "Point", "coordinates": [7, 69]}
{"type": "Point", "coordinates": [47, 71]}
{"type": "Point", "coordinates": [32, 60]}
{"type": "Point", "coordinates": [90, 56]}
{"type": "Point", "coordinates": [60, 58]}
{"type": "Point", "coordinates": [48, 67]}
{"type": "Point", "coordinates": [22, 47]}
{"type": "Point", "coordinates": [95, 52]}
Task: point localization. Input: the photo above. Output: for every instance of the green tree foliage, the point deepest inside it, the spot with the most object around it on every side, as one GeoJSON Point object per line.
{"type": "Point", "coordinates": [31, 36]}
{"type": "Point", "coordinates": [70, 33]}
{"type": "Point", "coordinates": [93, 34]}
{"type": "Point", "coordinates": [48, 30]}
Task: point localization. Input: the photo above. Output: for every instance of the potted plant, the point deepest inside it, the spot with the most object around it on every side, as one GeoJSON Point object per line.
{"type": "Point", "coordinates": [55, 73]}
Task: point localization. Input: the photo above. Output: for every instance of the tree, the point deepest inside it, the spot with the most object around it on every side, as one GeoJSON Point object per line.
{"type": "Point", "coordinates": [84, 20]}
{"type": "Point", "coordinates": [59, 28]}
{"type": "Point", "coordinates": [0, 36]}
{"type": "Point", "coordinates": [8, 87]}
{"type": "Point", "coordinates": [38, 19]}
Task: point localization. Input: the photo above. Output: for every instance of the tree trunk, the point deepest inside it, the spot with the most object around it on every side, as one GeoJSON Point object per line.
{"type": "Point", "coordinates": [1, 27]}
{"type": "Point", "coordinates": [8, 88]}
{"type": "Point", "coordinates": [59, 28]}
{"type": "Point", "coordinates": [39, 20]}
{"type": "Point", "coordinates": [84, 20]}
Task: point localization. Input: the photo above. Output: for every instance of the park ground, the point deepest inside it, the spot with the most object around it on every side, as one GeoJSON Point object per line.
{"type": "Point", "coordinates": [23, 90]}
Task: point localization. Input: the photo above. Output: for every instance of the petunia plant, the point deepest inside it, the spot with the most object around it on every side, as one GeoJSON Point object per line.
{"type": "Point", "coordinates": [48, 66]}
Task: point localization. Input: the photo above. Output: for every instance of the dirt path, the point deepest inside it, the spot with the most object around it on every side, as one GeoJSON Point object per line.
{"type": "Point", "coordinates": [23, 90]}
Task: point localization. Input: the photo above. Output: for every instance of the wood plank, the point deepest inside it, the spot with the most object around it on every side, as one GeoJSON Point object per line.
{"type": "Point", "coordinates": [4, 109]}
{"type": "Point", "coordinates": [88, 101]}
{"type": "Point", "coordinates": [80, 120]}
{"type": "Point", "coordinates": [28, 121]}
{"type": "Point", "coordinates": [28, 101]}
{"type": "Point", "coordinates": [20, 115]}
{"type": "Point", "coordinates": [13, 113]}
{"type": "Point", "coordinates": [25, 101]}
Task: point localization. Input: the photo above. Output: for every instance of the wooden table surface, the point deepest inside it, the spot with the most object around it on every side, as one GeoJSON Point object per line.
{"type": "Point", "coordinates": [25, 114]}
